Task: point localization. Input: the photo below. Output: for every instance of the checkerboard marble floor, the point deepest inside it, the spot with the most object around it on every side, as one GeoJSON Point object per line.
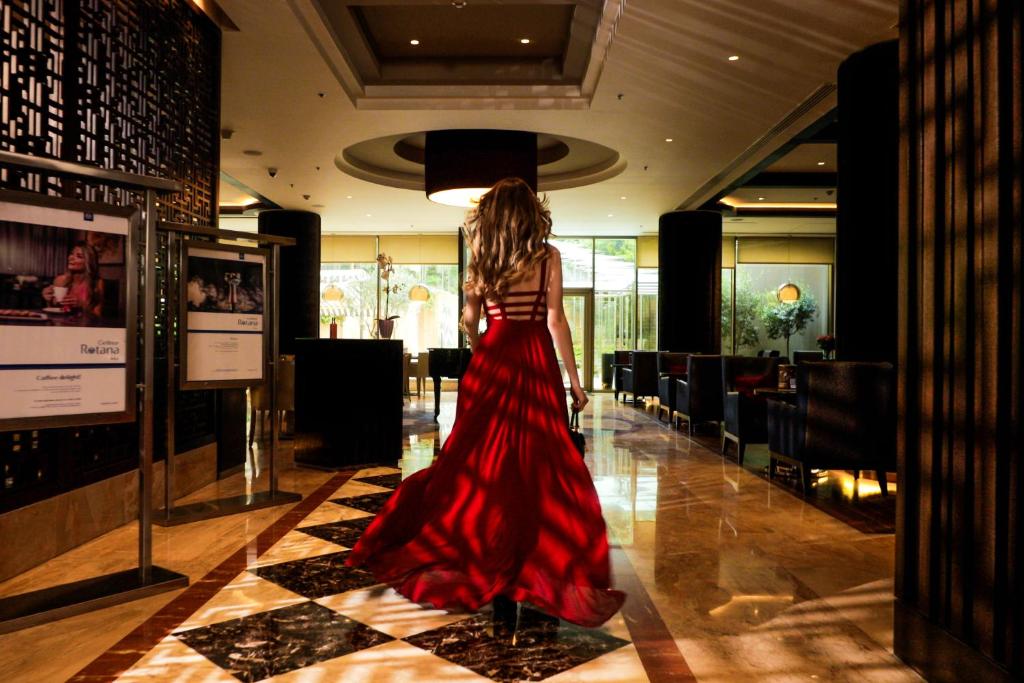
{"type": "Point", "coordinates": [296, 613]}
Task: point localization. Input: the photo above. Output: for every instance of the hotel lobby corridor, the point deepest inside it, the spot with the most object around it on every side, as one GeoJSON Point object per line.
{"type": "Point", "coordinates": [729, 578]}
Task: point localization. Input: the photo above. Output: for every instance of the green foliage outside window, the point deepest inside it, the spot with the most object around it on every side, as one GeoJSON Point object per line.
{"type": "Point", "coordinates": [783, 320]}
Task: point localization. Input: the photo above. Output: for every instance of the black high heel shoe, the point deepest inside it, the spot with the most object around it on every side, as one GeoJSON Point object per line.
{"type": "Point", "coordinates": [505, 614]}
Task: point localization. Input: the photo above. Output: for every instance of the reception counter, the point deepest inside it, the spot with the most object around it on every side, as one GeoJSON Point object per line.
{"type": "Point", "coordinates": [348, 402]}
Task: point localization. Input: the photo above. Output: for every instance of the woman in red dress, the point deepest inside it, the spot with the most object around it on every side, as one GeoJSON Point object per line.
{"type": "Point", "coordinates": [508, 511]}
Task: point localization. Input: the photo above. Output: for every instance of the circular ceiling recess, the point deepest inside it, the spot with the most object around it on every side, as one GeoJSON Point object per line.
{"type": "Point", "coordinates": [398, 161]}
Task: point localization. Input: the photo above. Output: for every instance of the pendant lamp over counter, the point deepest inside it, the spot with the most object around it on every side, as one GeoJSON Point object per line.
{"type": "Point", "coordinates": [461, 165]}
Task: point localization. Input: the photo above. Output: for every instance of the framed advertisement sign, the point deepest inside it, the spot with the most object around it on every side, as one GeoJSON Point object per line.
{"type": "Point", "coordinates": [223, 315]}
{"type": "Point", "coordinates": [68, 283]}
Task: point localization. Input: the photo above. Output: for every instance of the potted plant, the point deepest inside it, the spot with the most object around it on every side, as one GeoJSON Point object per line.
{"type": "Point", "coordinates": [783, 319]}
{"type": "Point", "coordinates": [386, 268]}
{"type": "Point", "coordinates": [827, 344]}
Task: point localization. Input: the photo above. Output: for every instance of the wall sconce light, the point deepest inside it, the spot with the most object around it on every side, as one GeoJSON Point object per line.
{"type": "Point", "coordinates": [419, 293]}
{"type": "Point", "coordinates": [333, 294]}
{"type": "Point", "coordinates": [788, 293]}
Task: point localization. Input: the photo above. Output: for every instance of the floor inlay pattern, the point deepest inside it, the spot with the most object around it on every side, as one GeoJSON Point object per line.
{"type": "Point", "coordinates": [270, 643]}
{"type": "Point", "coordinates": [543, 646]}
{"type": "Point", "coordinates": [347, 617]}
{"type": "Point", "coordinates": [370, 502]}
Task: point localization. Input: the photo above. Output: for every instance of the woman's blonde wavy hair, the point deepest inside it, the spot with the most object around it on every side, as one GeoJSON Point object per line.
{"type": "Point", "coordinates": [507, 235]}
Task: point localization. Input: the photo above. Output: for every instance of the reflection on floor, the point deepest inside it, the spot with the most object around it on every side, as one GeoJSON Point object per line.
{"type": "Point", "coordinates": [730, 578]}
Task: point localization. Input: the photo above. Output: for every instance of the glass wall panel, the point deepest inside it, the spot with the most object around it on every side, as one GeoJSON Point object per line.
{"type": "Point", "coordinates": [647, 295]}
{"type": "Point", "coordinates": [727, 277]}
{"type": "Point", "coordinates": [348, 293]}
{"type": "Point", "coordinates": [758, 312]}
{"type": "Point", "coordinates": [577, 261]}
{"type": "Point", "coordinates": [430, 323]}
{"type": "Point", "coordinates": [614, 298]}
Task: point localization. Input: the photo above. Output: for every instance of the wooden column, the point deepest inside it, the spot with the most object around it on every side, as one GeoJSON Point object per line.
{"type": "Point", "coordinates": [690, 281]}
{"type": "Point", "coordinates": [960, 612]}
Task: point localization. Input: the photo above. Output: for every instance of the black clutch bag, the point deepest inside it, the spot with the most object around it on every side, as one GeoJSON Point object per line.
{"type": "Point", "coordinates": [575, 434]}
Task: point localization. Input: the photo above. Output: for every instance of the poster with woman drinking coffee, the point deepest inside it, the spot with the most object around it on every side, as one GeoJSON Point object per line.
{"type": "Point", "coordinates": [223, 303]}
{"type": "Point", "coordinates": [64, 338]}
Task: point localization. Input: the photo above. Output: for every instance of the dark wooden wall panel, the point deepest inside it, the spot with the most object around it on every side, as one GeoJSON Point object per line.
{"type": "Point", "coordinates": [132, 85]}
{"type": "Point", "coordinates": [961, 317]}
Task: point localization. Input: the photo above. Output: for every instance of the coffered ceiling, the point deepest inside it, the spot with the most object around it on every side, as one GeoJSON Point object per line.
{"type": "Point", "coordinates": [650, 80]}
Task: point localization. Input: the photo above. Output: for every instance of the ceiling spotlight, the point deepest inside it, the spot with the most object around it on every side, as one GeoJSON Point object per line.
{"type": "Point", "coordinates": [622, 197]}
{"type": "Point", "coordinates": [668, 139]}
{"type": "Point", "coordinates": [524, 41]}
{"type": "Point", "coordinates": [760, 199]}
{"type": "Point", "coordinates": [369, 215]}
{"type": "Point", "coordinates": [348, 196]}
{"type": "Point", "coordinates": [611, 215]}
{"type": "Point", "coordinates": [821, 163]}
{"type": "Point", "coordinates": [734, 58]}
{"type": "Point", "coordinates": [414, 42]}
{"type": "Point", "coordinates": [458, 4]}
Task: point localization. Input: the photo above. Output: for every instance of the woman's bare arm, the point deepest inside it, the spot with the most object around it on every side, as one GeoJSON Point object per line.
{"type": "Point", "coordinates": [559, 327]}
{"type": "Point", "coordinates": [471, 319]}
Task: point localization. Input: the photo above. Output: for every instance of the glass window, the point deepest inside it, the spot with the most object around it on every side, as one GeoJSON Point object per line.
{"type": "Point", "coordinates": [758, 323]}
{"type": "Point", "coordinates": [647, 295]}
{"type": "Point", "coordinates": [727, 274]}
{"type": "Point", "coordinates": [577, 261]}
{"type": "Point", "coordinates": [614, 298]}
{"type": "Point", "coordinates": [430, 322]}
{"type": "Point", "coordinates": [348, 294]}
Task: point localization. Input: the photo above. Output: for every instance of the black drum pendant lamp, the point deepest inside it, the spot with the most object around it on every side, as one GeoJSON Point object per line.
{"type": "Point", "coordinates": [460, 165]}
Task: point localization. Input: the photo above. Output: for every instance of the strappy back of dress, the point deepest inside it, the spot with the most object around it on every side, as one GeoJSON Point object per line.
{"type": "Point", "coordinates": [526, 305]}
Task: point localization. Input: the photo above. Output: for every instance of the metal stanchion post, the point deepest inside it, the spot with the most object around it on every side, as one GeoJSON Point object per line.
{"type": "Point", "coordinates": [148, 364]}
{"type": "Point", "coordinates": [172, 385]}
{"type": "Point", "coordinates": [275, 284]}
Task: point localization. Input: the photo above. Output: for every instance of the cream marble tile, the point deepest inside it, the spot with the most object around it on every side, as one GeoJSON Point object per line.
{"type": "Point", "coordinates": [174, 662]}
{"type": "Point", "coordinates": [328, 513]}
{"type": "Point", "coordinates": [246, 594]}
{"type": "Point", "coordinates": [387, 611]}
{"type": "Point", "coordinates": [392, 662]}
{"type": "Point", "coordinates": [294, 545]}
{"type": "Point", "coordinates": [375, 472]}
{"type": "Point", "coordinates": [621, 666]}
{"type": "Point", "coordinates": [358, 488]}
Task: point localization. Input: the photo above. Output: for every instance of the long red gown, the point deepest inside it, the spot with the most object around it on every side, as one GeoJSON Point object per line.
{"type": "Point", "coordinates": [508, 508]}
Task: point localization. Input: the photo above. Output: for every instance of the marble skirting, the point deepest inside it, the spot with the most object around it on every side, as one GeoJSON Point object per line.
{"type": "Point", "coordinates": [47, 528]}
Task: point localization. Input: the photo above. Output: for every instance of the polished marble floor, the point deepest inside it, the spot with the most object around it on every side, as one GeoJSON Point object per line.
{"type": "Point", "coordinates": [730, 577]}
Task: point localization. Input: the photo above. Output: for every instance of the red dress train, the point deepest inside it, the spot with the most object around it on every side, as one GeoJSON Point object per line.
{"type": "Point", "coordinates": [509, 507]}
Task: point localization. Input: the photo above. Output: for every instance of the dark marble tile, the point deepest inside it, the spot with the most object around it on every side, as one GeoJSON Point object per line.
{"type": "Point", "coordinates": [543, 646]}
{"type": "Point", "coordinates": [370, 502]}
{"type": "Point", "coordinates": [388, 481]}
{"type": "Point", "coordinates": [344, 533]}
{"type": "Point", "coordinates": [270, 643]}
{"type": "Point", "coordinates": [317, 577]}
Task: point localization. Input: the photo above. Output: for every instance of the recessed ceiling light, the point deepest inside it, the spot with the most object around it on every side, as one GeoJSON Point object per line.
{"type": "Point", "coordinates": [524, 41]}
{"type": "Point", "coordinates": [414, 42]}
{"type": "Point", "coordinates": [369, 215]}
{"type": "Point", "coordinates": [668, 139]}
{"type": "Point", "coordinates": [622, 197]}
{"type": "Point", "coordinates": [611, 215]}
{"type": "Point", "coordinates": [348, 196]}
{"type": "Point", "coordinates": [734, 58]}
{"type": "Point", "coordinates": [760, 199]}
{"type": "Point", "coordinates": [821, 163]}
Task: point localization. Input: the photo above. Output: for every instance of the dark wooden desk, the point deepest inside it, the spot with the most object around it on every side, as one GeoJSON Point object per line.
{"type": "Point", "coordinates": [348, 402]}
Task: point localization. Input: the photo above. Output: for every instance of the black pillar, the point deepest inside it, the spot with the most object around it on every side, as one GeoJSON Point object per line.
{"type": "Point", "coordinates": [959, 613]}
{"type": "Point", "coordinates": [867, 223]}
{"type": "Point", "coordinates": [690, 281]}
{"type": "Point", "coordinates": [300, 273]}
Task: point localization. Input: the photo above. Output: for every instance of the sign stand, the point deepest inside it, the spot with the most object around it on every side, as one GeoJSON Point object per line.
{"type": "Point", "coordinates": [194, 512]}
{"type": "Point", "coordinates": [57, 602]}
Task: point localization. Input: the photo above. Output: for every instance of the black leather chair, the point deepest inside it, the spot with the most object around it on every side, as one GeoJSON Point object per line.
{"type": "Point", "coordinates": [745, 414]}
{"type": "Point", "coordinates": [844, 419]}
{"type": "Point", "coordinates": [807, 356]}
{"type": "Point", "coordinates": [641, 377]}
{"type": "Point", "coordinates": [671, 366]}
{"type": "Point", "coordinates": [620, 363]}
{"type": "Point", "coordinates": [699, 396]}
